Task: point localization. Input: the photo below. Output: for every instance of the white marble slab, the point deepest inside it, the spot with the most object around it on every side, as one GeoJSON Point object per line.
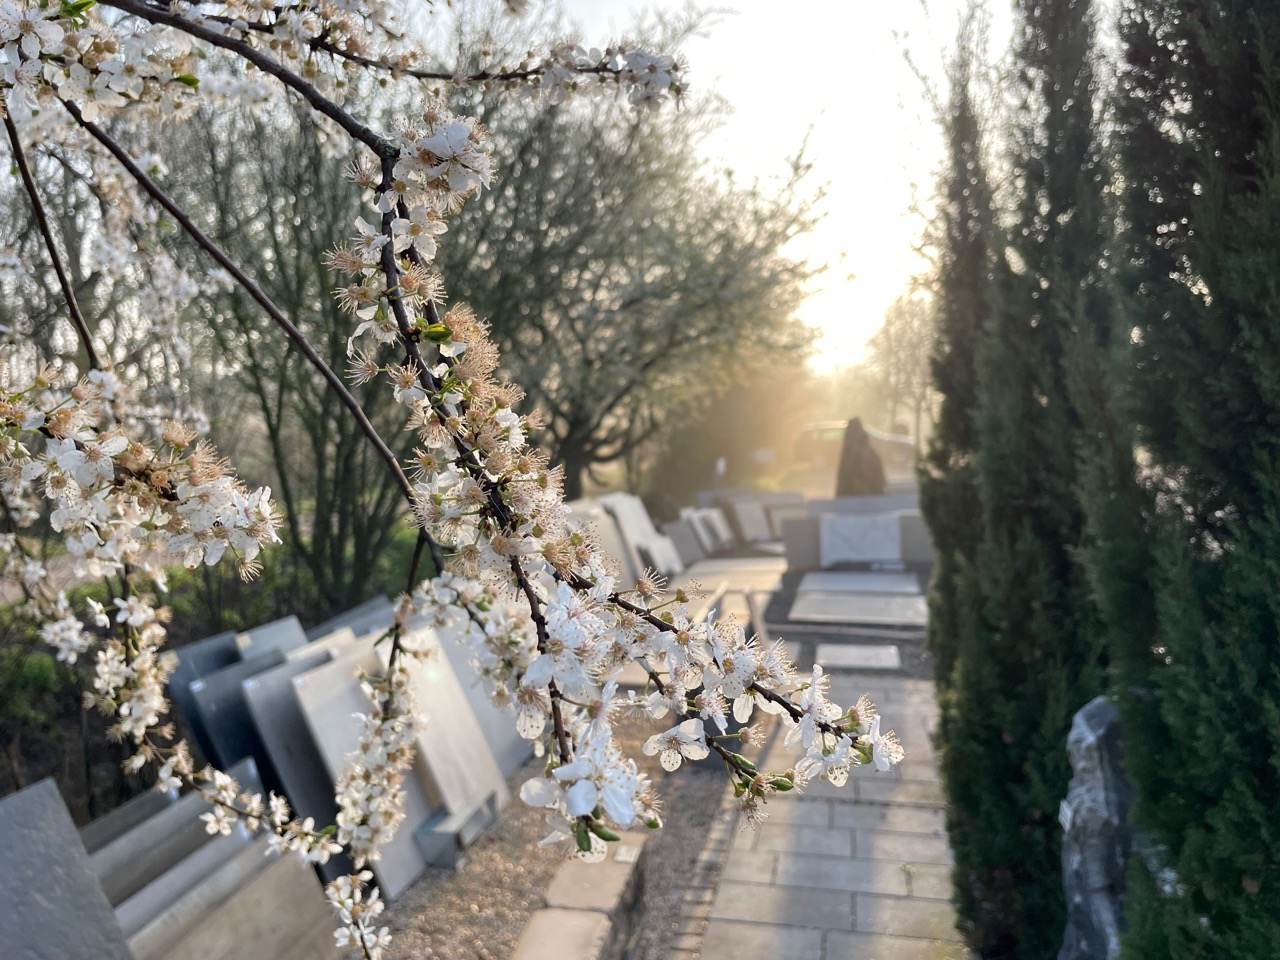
{"type": "Point", "coordinates": [751, 519]}
{"type": "Point", "coordinates": [851, 538]}
{"type": "Point", "coordinates": [870, 608]}
{"type": "Point", "coordinates": [851, 656]}
{"type": "Point", "coordinates": [590, 513]}
{"type": "Point", "coordinates": [330, 696]}
{"type": "Point", "coordinates": [636, 525]}
{"type": "Point", "coordinates": [859, 581]}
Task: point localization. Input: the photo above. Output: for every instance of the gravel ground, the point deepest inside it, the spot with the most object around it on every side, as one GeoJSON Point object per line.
{"type": "Point", "coordinates": [479, 911]}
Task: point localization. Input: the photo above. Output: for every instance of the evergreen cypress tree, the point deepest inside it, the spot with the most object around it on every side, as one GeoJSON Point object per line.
{"type": "Point", "coordinates": [1201, 695]}
{"type": "Point", "coordinates": [1026, 641]}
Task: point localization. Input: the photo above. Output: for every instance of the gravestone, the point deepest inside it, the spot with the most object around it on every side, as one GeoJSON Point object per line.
{"type": "Point", "coordinates": [100, 832]}
{"type": "Point", "coordinates": [859, 581]}
{"type": "Point", "coordinates": [708, 538]}
{"type": "Point", "coordinates": [136, 858]}
{"type": "Point", "coordinates": [284, 635]}
{"type": "Point", "coordinates": [883, 503]}
{"type": "Point", "coordinates": [610, 538]}
{"type": "Point", "coordinates": [685, 539]}
{"type": "Point", "coordinates": [220, 703]}
{"type": "Point", "coordinates": [800, 536]}
{"type": "Point", "coordinates": [330, 696]}
{"type": "Point", "coordinates": [510, 750]}
{"type": "Point", "coordinates": [654, 549]}
{"type": "Point", "coordinates": [192, 662]}
{"type": "Point", "coordinates": [917, 543]}
{"type": "Point", "coordinates": [252, 906]}
{"type": "Point", "coordinates": [54, 908]}
{"type": "Point", "coordinates": [854, 656]}
{"type": "Point", "coordinates": [337, 642]}
{"type": "Point", "coordinates": [304, 778]}
{"type": "Point", "coordinates": [868, 608]}
{"type": "Point", "coordinates": [781, 513]}
{"type": "Point", "coordinates": [361, 619]}
{"type": "Point", "coordinates": [748, 516]}
{"type": "Point", "coordinates": [846, 538]}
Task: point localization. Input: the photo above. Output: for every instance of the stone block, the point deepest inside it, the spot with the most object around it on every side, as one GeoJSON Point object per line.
{"type": "Point", "coordinates": [685, 539]}
{"type": "Point", "coordinates": [861, 608]}
{"type": "Point", "coordinates": [801, 537]}
{"type": "Point", "coordinates": [746, 515]}
{"type": "Point", "coordinates": [612, 887]}
{"type": "Point", "coordinates": [730, 940]}
{"type": "Point", "coordinates": [900, 792]}
{"type": "Point", "coordinates": [860, 581]}
{"type": "Point", "coordinates": [283, 635]}
{"type": "Point", "coordinates": [902, 847]}
{"type": "Point", "coordinates": [359, 619]}
{"type": "Point", "coordinates": [335, 642]}
{"type": "Point", "coordinates": [866, 816]}
{"type": "Point", "coordinates": [653, 548]}
{"type": "Point", "coordinates": [855, 656]}
{"type": "Point", "coordinates": [905, 917]}
{"type": "Point", "coordinates": [749, 866]}
{"type": "Point", "coordinates": [54, 908]}
{"type": "Point", "coordinates": [556, 934]}
{"type": "Point", "coordinates": [917, 543]}
{"type": "Point", "coordinates": [224, 713]}
{"type": "Point", "coordinates": [779, 514]}
{"type": "Point", "coordinates": [122, 819]}
{"type": "Point", "coordinates": [856, 538]}
{"type": "Point", "coordinates": [873, 503]}
{"type": "Point", "coordinates": [253, 906]}
{"type": "Point", "coordinates": [798, 838]}
{"type": "Point", "coordinates": [793, 906]}
{"type": "Point", "coordinates": [190, 663]}
{"type": "Point", "coordinates": [870, 946]}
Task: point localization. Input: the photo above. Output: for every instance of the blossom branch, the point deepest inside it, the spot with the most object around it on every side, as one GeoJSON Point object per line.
{"type": "Point", "coordinates": [46, 232]}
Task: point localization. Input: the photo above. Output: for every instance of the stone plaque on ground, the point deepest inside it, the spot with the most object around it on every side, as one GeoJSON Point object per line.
{"type": "Point", "coordinates": [330, 696]}
{"type": "Point", "coordinates": [53, 905]}
{"type": "Point", "coordinates": [852, 538]}
{"type": "Point", "coordinates": [252, 906]}
{"type": "Point", "coordinates": [870, 608]}
{"type": "Point", "coordinates": [853, 656]}
{"type": "Point", "coordinates": [609, 537]}
{"type": "Point", "coordinates": [220, 703]}
{"type": "Point", "coordinates": [284, 635]}
{"type": "Point", "coordinates": [305, 779]}
{"type": "Point", "coordinates": [859, 581]}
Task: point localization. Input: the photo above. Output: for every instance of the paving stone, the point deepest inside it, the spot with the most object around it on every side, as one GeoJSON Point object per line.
{"type": "Point", "coordinates": [859, 581]}
{"type": "Point", "coordinates": [612, 886]}
{"type": "Point", "coordinates": [903, 819]}
{"type": "Point", "coordinates": [797, 906]}
{"type": "Point", "coordinates": [931, 881]}
{"type": "Point", "coordinates": [554, 934]}
{"type": "Point", "coordinates": [730, 940]}
{"type": "Point", "coordinates": [918, 792]}
{"type": "Point", "coordinates": [870, 946]}
{"type": "Point", "coordinates": [803, 810]}
{"type": "Point", "coordinates": [749, 866]}
{"type": "Point", "coordinates": [857, 656]}
{"type": "Point", "coordinates": [902, 847]}
{"type": "Point", "coordinates": [798, 838]}
{"type": "Point", "coordinates": [903, 917]}
{"type": "Point", "coordinates": [854, 875]}
{"type": "Point", "coordinates": [890, 609]}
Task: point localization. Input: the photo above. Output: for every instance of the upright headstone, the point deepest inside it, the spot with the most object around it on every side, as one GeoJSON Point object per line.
{"type": "Point", "coordinates": [284, 635]}
{"type": "Point", "coordinates": [685, 539]}
{"type": "Point", "coordinates": [336, 642]}
{"type": "Point", "coordinates": [590, 513]}
{"type": "Point", "coordinates": [306, 781]}
{"type": "Point", "coordinates": [852, 538]}
{"type": "Point", "coordinates": [747, 515]}
{"type": "Point", "coordinates": [54, 908]}
{"type": "Point", "coordinates": [361, 619]}
{"type": "Point", "coordinates": [192, 662]}
{"type": "Point", "coordinates": [330, 696]}
{"type": "Point", "coordinates": [98, 833]}
{"type": "Point", "coordinates": [633, 519]}
{"type": "Point", "coordinates": [220, 702]}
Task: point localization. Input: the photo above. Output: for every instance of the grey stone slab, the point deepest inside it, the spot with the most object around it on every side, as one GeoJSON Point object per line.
{"type": "Point", "coordinates": [803, 810]}
{"type": "Point", "coordinates": [795, 906]}
{"type": "Point", "coordinates": [54, 908]}
{"type": "Point", "coordinates": [857, 656]}
{"type": "Point", "coordinates": [749, 866]}
{"type": "Point", "coordinates": [902, 847]}
{"type": "Point", "coordinates": [801, 540]}
{"type": "Point", "coordinates": [497, 725]}
{"type": "Point", "coordinates": [747, 514]}
{"type": "Point", "coordinates": [854, 875]}
{"type": "Point", "coordinates": [719, 525]}
{"type": "Point", "coordinates": [221, 706]}
{"type": "Point", "coordinates": [881, 817]}
{"type": "Point", "coordinates": [253, 906]}
{"type": "Point", "coordinates": [917, 543]}
{"type": "Point", "coordinates": [875, 503]}
{"type": "Point", "coordinates": [190, 663]}
{"type": "Point", "coordinates": [359, 619]}
{"type": "Point", "coordinates": [136, 858]}
{"type": "Point", "coordinates": [592, 514]}
{"type": "Point", "coordinates": [730, 940]}
{"type": "Point", "coordinates": [871, 946]}
{"type": "Point", "coordinates": [870, 608]}
{"type": "Point", "coordinates": [555, 934]}
{"type": "Point", "coordinates": [122, 819]}
{"type": "Point", "coordinates": [284, 635]}
{"type": "Point", "coordinates": [905, 917]}
{"type": "Point", "coordinates": [781, 513]}
{"type": "Point", "coordinates": [898, 792]}
{"type": "Point", "coordinates": [685, 539]}
{"type": "Point", "coordinates": [799, 838]}
{"type": "Point", "coordinates": [337, 642]}
{"type": "Point", "coordinates": [854, 538]}
{"type": "Point", "coordinates": [859, 581]}
{"type": "Point", "coordinates": [278, 717]}
{"type": "Point", "coordinates": [654, 548]}
{"type": "Point", "coordinates": [611, 886]}
{"type": "Point", "coordinates": [184, 876]}
{"type": "Point", "coordinates": [330, 696]}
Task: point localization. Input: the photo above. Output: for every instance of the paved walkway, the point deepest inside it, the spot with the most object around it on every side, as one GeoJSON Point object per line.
{"type": "Point", "coordinates": [856, 873]}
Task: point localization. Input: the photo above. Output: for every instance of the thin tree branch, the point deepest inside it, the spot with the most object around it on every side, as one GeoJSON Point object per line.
{"type": "Point", "coordinates": [42, 220]}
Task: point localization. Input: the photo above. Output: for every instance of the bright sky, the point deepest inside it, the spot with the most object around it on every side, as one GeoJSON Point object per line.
{"type": "Point", "coordinates": [833, 69]}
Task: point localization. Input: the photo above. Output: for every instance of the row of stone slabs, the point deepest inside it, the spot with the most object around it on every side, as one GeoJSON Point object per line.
{"type": "Point", "coordinates": [290, 706]}
{"type": "Point", "coordinates": [863, 597]}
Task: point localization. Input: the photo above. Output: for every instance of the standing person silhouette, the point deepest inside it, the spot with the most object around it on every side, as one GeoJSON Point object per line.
{"type": "Point", "coordinates": [860, 472]}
